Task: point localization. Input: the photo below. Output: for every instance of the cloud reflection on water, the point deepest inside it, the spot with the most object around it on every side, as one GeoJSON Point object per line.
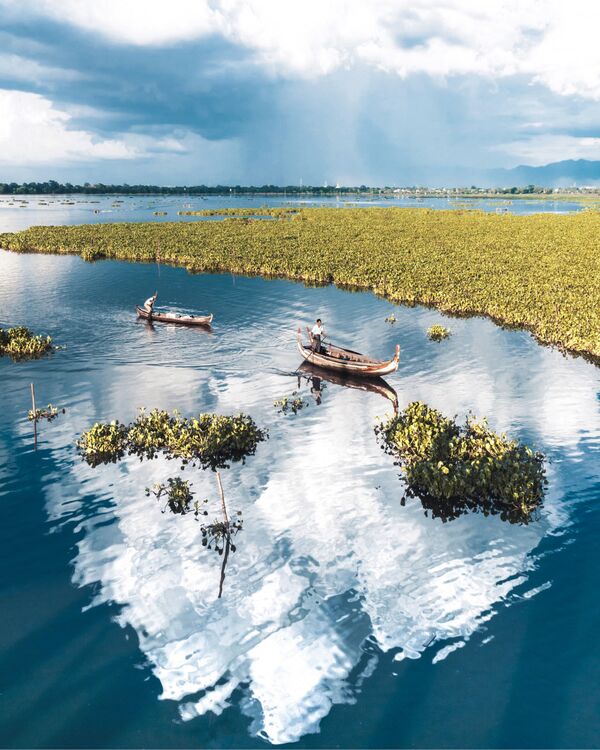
{"type": "Point", "coordinates": [326, 560]}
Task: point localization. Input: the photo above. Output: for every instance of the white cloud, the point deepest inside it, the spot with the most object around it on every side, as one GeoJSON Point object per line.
{"type": "Point", "coordinates": [542, 39]}
{"type": "Point", "coordinates": [543, 149]}
{"type": "Point", "coordinates": [33, 131]}
{"type": "Point", "coordinates": [141, 22]}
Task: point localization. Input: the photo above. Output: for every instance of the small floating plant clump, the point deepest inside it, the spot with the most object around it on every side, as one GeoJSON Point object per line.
{"type": "Point", "coordinates": [178, 494]}
{"type": "Point", "coordinates": [290, 404]}
{"type": "Point", "coordinates": [218, 534]}
{"type": "Point", "coordinates": [49, 413]}
{"type": "Point", "coordinates": [391, 319]}
{"type": "Point", "coordinates": [20, 343]}
{"type": "Point", "coordinates": [454, 469]}
{"type": "Point", "coordinates": [437, 332]}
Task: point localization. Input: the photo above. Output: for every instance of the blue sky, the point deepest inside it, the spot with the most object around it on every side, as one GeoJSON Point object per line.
{"type": "Point", "coordinates": [283, 91]}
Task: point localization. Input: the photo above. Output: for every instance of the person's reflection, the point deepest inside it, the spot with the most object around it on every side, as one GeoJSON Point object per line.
{"type": "Point", "coordinates": [316, 387]}
{"type": "Point", "coordinates": [149, 328]}
{"type": "Point", "coordinates": [316, 390]}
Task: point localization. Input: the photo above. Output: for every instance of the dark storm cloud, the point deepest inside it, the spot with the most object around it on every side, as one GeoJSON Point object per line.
{"type": "Point", "coordinates": [208, 86]}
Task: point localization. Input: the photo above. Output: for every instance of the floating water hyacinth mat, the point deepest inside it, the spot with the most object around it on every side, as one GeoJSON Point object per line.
{"type": "Point", "coordinates": [456, 469]}
{"type": "Point", "coordinates": [208, 440]}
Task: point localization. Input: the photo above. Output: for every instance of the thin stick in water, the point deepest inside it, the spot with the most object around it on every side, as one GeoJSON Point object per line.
{"type": "Point", "coordinates": [34, 416]}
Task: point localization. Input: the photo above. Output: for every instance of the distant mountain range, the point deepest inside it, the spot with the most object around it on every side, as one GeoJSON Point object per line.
{"type": "Point", "coordinates": [579, 172]}
{"type": "Point", "coordinates": [560, 174]}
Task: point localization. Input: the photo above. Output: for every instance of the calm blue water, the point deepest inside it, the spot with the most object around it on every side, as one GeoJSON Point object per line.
{"type": "Point", "coordinates": [346, 620]}
{"type": "Point", "coordinates": [20, 212]}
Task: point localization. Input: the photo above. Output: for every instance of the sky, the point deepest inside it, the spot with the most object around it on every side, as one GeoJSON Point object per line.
{"type": "Point", "coordinates": [376, 92]}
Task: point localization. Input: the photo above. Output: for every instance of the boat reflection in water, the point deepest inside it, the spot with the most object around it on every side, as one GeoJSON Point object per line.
{"type": "Point", "coordinates": [151, 329]}
{"type": "Point", "coordinates": [316, 375]}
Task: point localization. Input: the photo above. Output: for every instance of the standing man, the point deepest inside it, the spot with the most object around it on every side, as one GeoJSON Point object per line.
{"type": "Point", "coordinates": [317, 334]}
{"type": "Point", "coordinates": [149, 304]}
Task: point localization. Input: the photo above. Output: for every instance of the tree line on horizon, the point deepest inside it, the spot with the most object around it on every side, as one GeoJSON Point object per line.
{"type": "Point", "coordinates": [52, 187]}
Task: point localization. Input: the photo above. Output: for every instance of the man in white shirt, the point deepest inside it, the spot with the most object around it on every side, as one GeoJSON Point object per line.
{"type": "Point", "coordinates": [149, 303]}
{"type": "Point", "coordinates": [318, 334]}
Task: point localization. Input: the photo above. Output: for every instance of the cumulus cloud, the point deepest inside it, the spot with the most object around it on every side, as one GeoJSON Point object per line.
{"type": "Point", "coordinates": [141, 22]}
{"type": "Point", "coordinates": [542, 39]}
{"type": "Point", "coordinates": [32, 130]}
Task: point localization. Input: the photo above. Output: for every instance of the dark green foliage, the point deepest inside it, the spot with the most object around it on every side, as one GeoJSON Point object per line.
{"type": "Point", "coordinates": [457, 469]}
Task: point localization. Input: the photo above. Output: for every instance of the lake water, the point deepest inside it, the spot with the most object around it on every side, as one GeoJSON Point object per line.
{"type": "Point", "coordinates": [20, 212]}
{"type": "Point", "coordinates": [346, 619]}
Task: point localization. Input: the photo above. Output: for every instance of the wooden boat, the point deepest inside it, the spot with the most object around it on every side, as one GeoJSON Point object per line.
{"type": "Point", "coordinates": [372, 385]}
{"type": "Point", "coordinates": [181, 320]}
{"type": "Point", "coordinates": [346, 360]}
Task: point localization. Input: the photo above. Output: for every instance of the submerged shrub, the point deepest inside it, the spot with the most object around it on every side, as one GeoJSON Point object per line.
{"type": "Point", "coordinates": [21, 343]}
{"type": "Point", "coordinates": [437, 332]}
{"type": "Point", "coordinates": [457, 469]}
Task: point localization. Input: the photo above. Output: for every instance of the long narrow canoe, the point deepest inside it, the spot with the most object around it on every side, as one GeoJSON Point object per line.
{"type": "Point", "coordinates": [181, 320]}
{"type": "Point", "coordinates": [346, 360]}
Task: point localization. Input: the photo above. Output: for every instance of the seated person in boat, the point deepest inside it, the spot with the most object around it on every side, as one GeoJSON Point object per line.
{"type": "Point", "coordinates": [317, 335]}
{"type": "Point", "coordinates": [149, 303]}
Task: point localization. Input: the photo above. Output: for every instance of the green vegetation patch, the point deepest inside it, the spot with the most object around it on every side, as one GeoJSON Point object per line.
{"type": "Point", "coordinates": [290, 404]}
{"type": "Point", "coordinates": [437, 332]}
{"type": "Point", "coordinates": [50, 413]}
{"type": "Point", "coordinates": [541, 272]}
{"type": "Point", "coordinates": [208, 440]}
{"type": "Point", "coordinates": [454, 469]}
{"type": "Point", "coordinates": [20, 343]}
{"type": "Point", "coordinates": [178, 494]}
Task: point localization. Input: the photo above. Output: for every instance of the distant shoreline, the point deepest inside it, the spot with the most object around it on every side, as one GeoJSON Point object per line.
{"type": "Point", "coordinates": [52, 188]}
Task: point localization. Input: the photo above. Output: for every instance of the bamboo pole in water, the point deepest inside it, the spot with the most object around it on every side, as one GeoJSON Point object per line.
{"type": "Point", "coordinates": [223, 506]}
{"type": "Point", "coordinates": [226, 534]}
{"type": "Point", "coordinates": [34, 415]}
